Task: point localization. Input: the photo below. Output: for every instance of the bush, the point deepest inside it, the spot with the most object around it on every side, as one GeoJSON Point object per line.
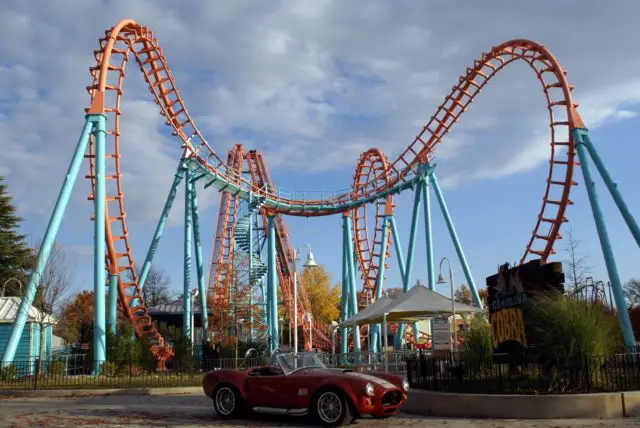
{"type": "Point", "coordinates": [570, 330]}
{"type": "Point", "coordinates": [55, 368]}
{"type": "Point", "coordinates": [8, 372]}
{"type": "Point", "coordinates": [477, 345]}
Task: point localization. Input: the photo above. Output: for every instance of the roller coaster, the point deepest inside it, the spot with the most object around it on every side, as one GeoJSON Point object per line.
{"type": "Point", "coordinates": [250, 234]}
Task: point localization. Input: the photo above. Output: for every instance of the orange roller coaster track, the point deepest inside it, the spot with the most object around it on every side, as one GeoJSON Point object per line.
{"type": "Point", "coordinates": [379, 181]}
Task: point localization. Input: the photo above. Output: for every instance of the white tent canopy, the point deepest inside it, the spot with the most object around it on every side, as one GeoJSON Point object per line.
{"type": "Point", "coordinates": [366, 312]}
{"type": "Point", "coordinates": [417, 304]}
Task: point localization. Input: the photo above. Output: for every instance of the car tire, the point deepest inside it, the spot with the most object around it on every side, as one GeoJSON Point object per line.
{"type": "Point", "coordinates": [227, 401]}
{"type": "Point", "coordinates": [332, 408]}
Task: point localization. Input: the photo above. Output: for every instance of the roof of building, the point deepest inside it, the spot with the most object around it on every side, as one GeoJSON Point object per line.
{"type": "Point", "coordinates": [9, 309]}
{"type": "Point", "coordinates": [171, 308]}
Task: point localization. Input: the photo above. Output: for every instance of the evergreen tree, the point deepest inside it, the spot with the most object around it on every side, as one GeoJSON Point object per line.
{"type": "Point", "coordinates": [16, 257]}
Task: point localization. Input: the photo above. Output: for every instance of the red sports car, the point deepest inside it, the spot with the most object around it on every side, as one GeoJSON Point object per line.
{"type": "Point", "coordinates": [301, 384]}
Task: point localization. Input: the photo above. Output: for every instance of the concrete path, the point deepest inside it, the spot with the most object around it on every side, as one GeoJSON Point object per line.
{"type": "Point", "coordinates": [196, 411]}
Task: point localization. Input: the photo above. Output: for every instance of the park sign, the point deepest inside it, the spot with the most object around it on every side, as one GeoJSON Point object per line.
{"type": "Point", "coordinates": [441, 334]}
{"type": "Point", "coordinates": [508, 291]}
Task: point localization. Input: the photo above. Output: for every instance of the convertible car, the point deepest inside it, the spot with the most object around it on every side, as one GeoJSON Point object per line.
{"type": "Point", "coordinates": [300, 384]}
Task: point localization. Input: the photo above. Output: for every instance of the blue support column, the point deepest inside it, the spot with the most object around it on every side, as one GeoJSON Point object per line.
{"type": "Point", "coordinates": [380, 279]}
{"type": "Point", "coordinates": [353, 297]}
{"type": "Point", "coordinates": [456, 241]}
{"type": "Point", "coordinates": [47, 242]}
{"type": "Point", "coordinates": [431, 274]}
{"type": "Point", "coordinates": [251, 284]}
{"type": "Point", "coordinates": [160, 227]}
{"type": "Point", "coordinates": [603, 235]}
{"type": "Point", "coordinates": [113, 302]}
{"type": "Point", "coordinates": [199, 267]}
{"type": "Point", "coordinates": [271, 285]}
{"type": "Point", "coordinates": [99, 262]}
{"type": "Point", "coordinates": [397, 245]}
{"type": "Point", "coordinates": [611, 185]}
{"type": "Point", "coordinates": [344, 308]}
{"type": "Point", "coordinates": [186, 290]}
{"type": "Point", "coordinates": [409, 263]}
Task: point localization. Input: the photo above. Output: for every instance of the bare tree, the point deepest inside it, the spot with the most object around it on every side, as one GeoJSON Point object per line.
{"type": "Point", "coordinates": [56, 280]}
{"type": "Point", "coordinates": [156, 287]}
{"type": "Point", "coordinates": [632, 291]}
{"type": "Point", "coordinates": [463, 295]}
{"type": "Point", "coordinates": [578, 269]}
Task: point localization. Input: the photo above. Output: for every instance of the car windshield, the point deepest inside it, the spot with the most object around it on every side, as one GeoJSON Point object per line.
{"type": "Point", "coordinates": [290, 361]}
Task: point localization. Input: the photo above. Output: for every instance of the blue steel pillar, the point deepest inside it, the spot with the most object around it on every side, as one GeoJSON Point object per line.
{"type": "Point", "coordinates": [409, 263]}
{"type": "Point", "coordinates": [344, 308]}
{"type": "Point", "coordinates": [611, 185]}
{"type": "Point", "coordinates": [199, 267]}
{"type": "Point", "coordinates": [272, 300]}
{"type": "Point", "coordinates": [251, 214]}
{"type": "Point", "coordinates": [431, 273]}
{"type": "Point", "coordinates": [353, 297]}
{"type": "Point", "coordinates": [113, 302]}
{"type": "Point", "coordinates": [186, 291]}
{"type": "Point", "coordinates": [380, 277]}
{"type": "Point", "coordinates": [47, 241]}
{"type": "Point", "coordinates": [99, 262]}
{"type": "Point", "coordinates": [454, 238]}
{"type": "Point", "coordinates": [161, 223]}
{"type": "Point", "coordinates": [623, 315]}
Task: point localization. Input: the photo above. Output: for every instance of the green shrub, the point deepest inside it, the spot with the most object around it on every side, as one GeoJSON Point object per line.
{"type": "Point", "coordinates": [108, 369]}
{"type": "Point", "coordinates": [55, 368]}
{"type": "Point", "coordinates": [477, 344]}
{"type": "Point", "coordinates": [570, 330]}
{"type": "Point", "coordinates": [8, 372]}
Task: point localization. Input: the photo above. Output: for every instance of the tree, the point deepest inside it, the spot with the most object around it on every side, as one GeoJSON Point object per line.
{"type": "Point", "coordinates": [53, 285]}
{"type": "Point", "coordinates": [577, 265]}
{"type": "Point", "coordinates": [16, 258]}
{"type": "Point", "coordinates": [323, 298]}
{"type": "Point", "coordinates": [484, 297]}
{"type": "Point", "coordinates": [463, 295]}
{"type": "Point", "coordinates": [632, 291]}
{"type": "Point", "coordinates": [75, 318]}
{"type": "Point", "coordinates": [156, 287]}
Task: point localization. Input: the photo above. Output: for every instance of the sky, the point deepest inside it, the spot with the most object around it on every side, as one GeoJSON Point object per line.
{"type": "Point", "coordinates": [312, 84]}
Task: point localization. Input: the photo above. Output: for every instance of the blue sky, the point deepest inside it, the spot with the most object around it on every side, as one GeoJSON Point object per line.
{"type": "Point", "coordinates": [313, 84]}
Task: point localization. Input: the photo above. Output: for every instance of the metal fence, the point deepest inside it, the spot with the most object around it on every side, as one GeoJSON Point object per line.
{"type": "Point", "coordinates": [585, 375]}
{"type": "Point", "coordinates": [33, 374]}
{"type": "Point", "coordinates": [76, 371]}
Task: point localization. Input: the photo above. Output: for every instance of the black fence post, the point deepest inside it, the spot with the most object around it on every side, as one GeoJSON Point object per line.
{"type": "Point", "coordinates": [37, 370]}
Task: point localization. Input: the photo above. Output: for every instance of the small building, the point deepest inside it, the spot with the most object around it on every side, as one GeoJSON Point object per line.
{"type": "Point", "coordinates": [28, 349]}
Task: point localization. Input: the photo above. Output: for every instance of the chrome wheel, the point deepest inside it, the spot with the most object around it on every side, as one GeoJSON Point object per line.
{"type": "Point", "coordinates": [329, 407]}
{"type": "Point", "coordinates": [225, 401]}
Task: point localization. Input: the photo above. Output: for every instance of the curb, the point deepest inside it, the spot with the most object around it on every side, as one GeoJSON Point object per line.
{"type": "Point", "coordinates": [490, 406]}
{"type": "Point", "coordinates": [69, 393]}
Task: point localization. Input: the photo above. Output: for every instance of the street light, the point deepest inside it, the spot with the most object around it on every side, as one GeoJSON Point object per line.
{"type": "Point", "coordinates": [334, 328]}
{"type": "Point", "coordinates": [13, 279]}
{"type": "Point", "coordinates": [309, 318]}
{"type": "Point", "coordinates": [194, 295]}
{"type": "Point", "coordinates": [441, 280]}
{"type": "Point", "coordinates": [310, 263]}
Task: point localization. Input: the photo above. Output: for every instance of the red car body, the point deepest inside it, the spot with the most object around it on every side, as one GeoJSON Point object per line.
{"type": "Point", "coordinates": [269, 390]}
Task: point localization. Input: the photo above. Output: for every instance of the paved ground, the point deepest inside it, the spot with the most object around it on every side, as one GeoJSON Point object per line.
{"type": "Point", "coordinates": [197, 411]}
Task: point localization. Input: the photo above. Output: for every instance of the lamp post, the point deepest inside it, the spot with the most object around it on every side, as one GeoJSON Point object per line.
{"type": "Point", "coordinates": [7, 281]}
{"type": "Point", "coordinates": [334, 328]}
{"type": "Point", "coordinates": [281, 331]}
{"type": "Point", "coordinates": [309, 318]}
{"type": "Point", "coordinates": [194, 295]}
{"type": "Point", "coordinates": [309, 263]}
{"type": "Point", "coordinates": [441, 280]}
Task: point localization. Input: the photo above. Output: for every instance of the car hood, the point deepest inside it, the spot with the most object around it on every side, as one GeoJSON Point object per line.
{"type": "Point", "coordinates": [348, 373]}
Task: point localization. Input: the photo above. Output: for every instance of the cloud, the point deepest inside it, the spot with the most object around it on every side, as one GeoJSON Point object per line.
{"type": "Point", "coordinates": [331, 78]}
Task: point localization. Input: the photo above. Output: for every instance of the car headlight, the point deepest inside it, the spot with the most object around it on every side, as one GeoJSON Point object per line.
{"type": "Point", "coordinates": [405, 385]}
{"type": "Point", "coordinates": [368, 389]}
